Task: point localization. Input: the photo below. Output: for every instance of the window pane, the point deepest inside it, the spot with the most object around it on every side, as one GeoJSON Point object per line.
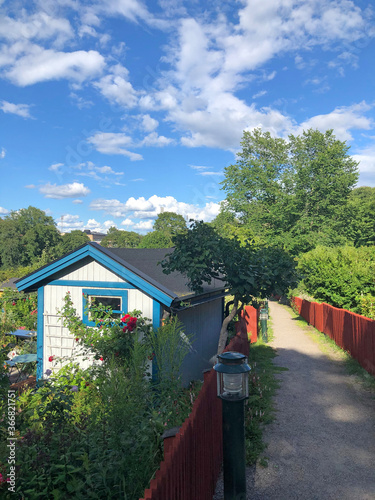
{"type": "Point", "coordinates": [108, 302]}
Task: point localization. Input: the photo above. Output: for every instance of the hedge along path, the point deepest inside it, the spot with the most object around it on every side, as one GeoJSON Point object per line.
{"type": "Point", "coordinates": [322, 442]}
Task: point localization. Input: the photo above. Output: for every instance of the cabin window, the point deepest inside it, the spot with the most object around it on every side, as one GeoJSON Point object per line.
{"type": "Point", "coordinates": [116, 300]}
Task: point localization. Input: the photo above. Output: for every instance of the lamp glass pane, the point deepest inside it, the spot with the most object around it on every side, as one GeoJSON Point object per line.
{"type": "Point", "coordinates": [232, 383]}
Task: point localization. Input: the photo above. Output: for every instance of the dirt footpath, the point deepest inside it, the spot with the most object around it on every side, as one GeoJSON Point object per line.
{"type": "Point", "coordinates": [322, 444]}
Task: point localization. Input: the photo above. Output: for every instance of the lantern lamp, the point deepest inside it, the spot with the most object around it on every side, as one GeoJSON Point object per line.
{"type": "Point", "coordinates": [232, 376]}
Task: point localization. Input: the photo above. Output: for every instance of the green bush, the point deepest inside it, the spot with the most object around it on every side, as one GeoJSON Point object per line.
{"type": "Point", "coordinates": [339, 276]}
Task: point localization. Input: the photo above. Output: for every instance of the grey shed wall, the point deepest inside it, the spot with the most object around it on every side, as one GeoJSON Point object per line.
{"type": "Point", "coordinates": [204, 323]}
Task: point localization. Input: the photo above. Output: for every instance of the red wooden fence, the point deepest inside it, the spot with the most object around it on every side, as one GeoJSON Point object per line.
{"type": "Point", "coordinates": [248, 322]}
{"type": "Point", "coordinates": [192, 462]}
{"type": "Point", "coordinates": [352, 332]}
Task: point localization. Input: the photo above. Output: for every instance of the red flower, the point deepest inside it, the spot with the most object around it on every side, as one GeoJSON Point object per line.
{"type": "Point", "coordinates": [51, 358]}
{"type": "Point", "coordinates": [101, 358]}
{"type": "Point", "coordinates": [13, 303]}
{"type": "Point", "coordinates": [77, 339]}
{"type": "Point", "coordinates": [125, 318]}
{"type": "Point", "coordinates": [117, 353]}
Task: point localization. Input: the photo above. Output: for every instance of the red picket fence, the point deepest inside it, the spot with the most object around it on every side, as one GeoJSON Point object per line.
{"type": "Point", "coordinates": [192, 461]}
{"type": "Point", "coordinates": [248, 322]}
{"type": "Point", "coordinates": [352, 332]}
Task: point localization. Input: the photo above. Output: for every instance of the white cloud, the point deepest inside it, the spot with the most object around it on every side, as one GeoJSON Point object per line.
{"type": "Point", "coordinates": [127, 222]}
{"type": "Point", "coordinates": [39, 64]}
{"type": "Point", "coordinates": [144, 225]}
{"type": "Point", "coordinates": [100, 227]}
{"type": "Point", "coordinates": [141, 208]}
{"type": "Point", "coordinates": [154, 139]}
{"type": "Point", "coordinates": [64, 191]}
{"type": "Point", "coordinates": [212, 59]}
{"type": "Point", "coordinates": [3, 211]}
{"type": "Point", "coordinates": [149, 124]}
{"type": "Point", "coordinates": [116, 87]}
{"type": "Point", "coordinates": [341, 120]}
{"type": "Point", "coordinates": [2, 153]}
{"type": "Point", "coordinates": [39, 26]}
{"type": "Point", "coordinates": [366, 159]}
{"type": "Point", "coordinates": [113, 144]}
{"type": "Point", "coordinates": [261, 93]}
{"type": "Point", "coordinates": [16, 109]}
{"type": "Point", "coordinates": [56, 167]}
{"type": "Point", "coordinates": [77, 202]}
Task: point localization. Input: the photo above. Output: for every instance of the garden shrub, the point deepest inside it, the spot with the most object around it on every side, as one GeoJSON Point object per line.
{"type": "Point", "coordinates": [96, 433]}
{"type": "Point", "coordinates": [339, 276]}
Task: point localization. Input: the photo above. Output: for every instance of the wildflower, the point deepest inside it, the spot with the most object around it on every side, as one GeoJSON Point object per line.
{"type": "Point", "coordinates": [13, 303]}
{"type": "Point", "coordinates": [101, 358]}
{"type": "Point", "coordinates": [48, 372]}
{"type": "Point", "coordinates": [51, 358]}
{"type": "Point", "coordinates": [77, 339]}
{"type": "Point", "coordinates": [74, 388]}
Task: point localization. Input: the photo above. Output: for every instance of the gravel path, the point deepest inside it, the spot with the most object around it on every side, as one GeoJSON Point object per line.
{"type": "Point", "coordinates": [322, 444]}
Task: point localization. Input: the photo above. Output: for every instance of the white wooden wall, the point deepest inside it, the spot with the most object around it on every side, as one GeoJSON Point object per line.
{"type": "Point", "coordinates": [57, 339]}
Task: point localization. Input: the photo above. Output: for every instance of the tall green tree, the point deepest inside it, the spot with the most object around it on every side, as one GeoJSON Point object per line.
{"type": "Point", "coordinates": [246, 271]}
{"type": "Point", "coordinates": [170, 223]}
{"type": "Point", "coordinates": [117, 238]}
{"type": "Point", "coordinates": [292, 191]}
{"type": "Point", "coordinates": [72, 240]}
{"type": "Point", "coordinates": [358, 216]}
{"type": "Point", "coordinates": [25, 235]}
{"type": "Point", "coordinates": [156, 239]}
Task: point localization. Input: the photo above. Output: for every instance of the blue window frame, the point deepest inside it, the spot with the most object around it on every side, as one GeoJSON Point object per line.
{"type": "Point", "coordinates": [120, 301]}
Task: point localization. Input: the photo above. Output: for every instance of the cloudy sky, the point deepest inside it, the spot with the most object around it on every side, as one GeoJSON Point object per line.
{"type": "Point", "coordinates": [112, 111]}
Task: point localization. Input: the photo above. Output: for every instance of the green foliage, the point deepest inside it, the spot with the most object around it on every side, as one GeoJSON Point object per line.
{"type": "Point", "coordinates": [170, 223]}
{"type": "Point", "coordinates": [95, 433]}
{"type": "Point", "coordinates": [72, 240]}
{"type": "Point", "coordinates": [17, 309]}
{"type": "Point", "coordinates": [169, 345]}
{"type": "Point", "coordinates": [366, 305]}
{"type": "Point", "coordinates": [245, 270]}
{"type": "Point", "coordinates": [358, 217]}
{"type": "Point", "coordinates": [292, 192]}
{"type": "Point", "coordinates": [117, 238]}
{"type": "Point", "coordinates": [156, 239]}
{"type": "Point", "coordinates": [339, 276]}
{"type": "Point", "coordinates": [25, 235]}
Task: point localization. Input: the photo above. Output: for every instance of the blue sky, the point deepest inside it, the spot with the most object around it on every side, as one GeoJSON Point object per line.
{"type": "Point", "coordinates": [113, 111]}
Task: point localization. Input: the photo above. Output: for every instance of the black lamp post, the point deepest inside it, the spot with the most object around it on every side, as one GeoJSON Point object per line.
{"type": "Point", "coordinates": [233, 388]}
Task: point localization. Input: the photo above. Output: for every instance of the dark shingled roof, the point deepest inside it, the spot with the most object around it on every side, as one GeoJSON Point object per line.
{"type": "Point", "coordinates": [146, 261]}
{"type": "Point", "coordinates": [10, 283]}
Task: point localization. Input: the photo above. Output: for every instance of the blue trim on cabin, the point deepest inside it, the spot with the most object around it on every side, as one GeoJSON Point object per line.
{"type": "Point", "coordinates": [102, 293]}
{"type": "Point", "coordinates": [40, 334]}
{"type": "Point", "coordinates": [53, 268]}
{"type": "Point", "coordinates": [156, 314]}
{"type": "Point", "coordinates": [99, 284]}
{"type": "Point", "coordinates": [156, 322]}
